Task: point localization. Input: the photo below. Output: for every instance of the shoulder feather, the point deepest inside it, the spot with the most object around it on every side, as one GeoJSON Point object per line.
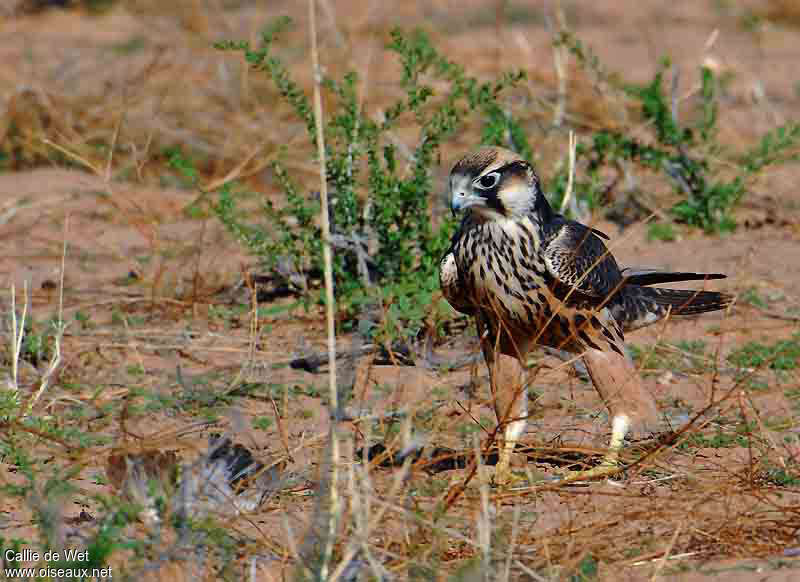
{"type": "Point", "coordinates": [579, 262]}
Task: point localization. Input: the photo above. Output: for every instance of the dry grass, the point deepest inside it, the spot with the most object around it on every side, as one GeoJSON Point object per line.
{"type": "Point", "coordinates": [159, 362]}
{"type": "Point", "coordinates": [784, 12]}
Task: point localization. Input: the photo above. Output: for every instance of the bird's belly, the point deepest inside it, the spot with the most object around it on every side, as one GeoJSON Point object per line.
{"type": "Point", "coordinates": [526, 315]}
{"type": "Point", "coordinates": [503, 291]}
{"type": "Point", "coordinates": [523, 306]}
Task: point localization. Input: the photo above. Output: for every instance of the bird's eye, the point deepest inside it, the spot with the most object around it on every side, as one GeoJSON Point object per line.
{"type": "Point", "coordinates": [489, 181]}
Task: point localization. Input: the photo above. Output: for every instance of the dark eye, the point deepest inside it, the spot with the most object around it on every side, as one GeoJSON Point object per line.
{"type": "Point", "coordinates": [489, 180]}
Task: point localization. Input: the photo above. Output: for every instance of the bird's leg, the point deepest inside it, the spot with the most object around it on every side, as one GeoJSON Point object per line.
{"type": "Point", "coordinates": [511, 407]}
{"type": "Point", "coordinates": [510, 400]}
{"type": "Point", "coordinates": [629, 404]}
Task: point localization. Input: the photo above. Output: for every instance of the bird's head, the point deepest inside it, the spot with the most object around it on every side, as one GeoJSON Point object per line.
{"type": "Point", "coordinates": [495, 183]}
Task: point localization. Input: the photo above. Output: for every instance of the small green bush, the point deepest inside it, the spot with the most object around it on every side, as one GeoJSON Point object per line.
{"type": "Point", "coordinates": [689, 154]}
{"type": "Point", "coordinates": [783, 355]}
{"type": "Point", "coordinates": [387, 247]}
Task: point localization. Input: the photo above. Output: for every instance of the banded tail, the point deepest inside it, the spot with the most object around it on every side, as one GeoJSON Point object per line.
{"type": "Point", "coordinates": [638, 305]}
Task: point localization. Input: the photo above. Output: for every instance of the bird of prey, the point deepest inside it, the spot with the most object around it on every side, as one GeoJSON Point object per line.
{"type": "Point", "coordinates": [529, 277]}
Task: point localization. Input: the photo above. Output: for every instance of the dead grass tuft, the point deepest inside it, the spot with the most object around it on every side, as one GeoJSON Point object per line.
{"type": "Point", "coordinates": [155, 358]}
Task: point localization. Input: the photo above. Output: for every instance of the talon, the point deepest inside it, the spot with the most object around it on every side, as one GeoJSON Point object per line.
{"type": "Point", "coordinates": [608, 466]}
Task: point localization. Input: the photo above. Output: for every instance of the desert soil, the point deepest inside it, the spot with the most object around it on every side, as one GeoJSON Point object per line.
{"type": "Point", "coordinates": [149, 301]}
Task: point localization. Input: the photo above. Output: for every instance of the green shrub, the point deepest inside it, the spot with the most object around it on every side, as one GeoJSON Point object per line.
{"type": "Point", "coordinates": [783, 355]}
{"type": "Point", "coordinates": [387, 247]}
{"type": "Point", "coordinates": [689, 154]}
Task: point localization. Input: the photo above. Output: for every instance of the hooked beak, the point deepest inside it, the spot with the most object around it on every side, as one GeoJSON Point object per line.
{"type": "Point", "coordinates": [462, 200]}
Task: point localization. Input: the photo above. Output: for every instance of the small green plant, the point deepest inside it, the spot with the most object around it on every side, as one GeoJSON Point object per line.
{"type": "Point", "coordinates": [721, 438]}
{"type": "Point", "coordinates": [466, 429]}
{"type": "Point", "coordinates": [754, 298]}
{"type": "Point", "coordinates": [782, 476]}
{"type": "Point", "coordinates": [135, 370]}
{"type": "Point", "coordinates": [685, 153]}
{"type": "Point", "coordinates": [262, 423]}
{"type": "Point", "coordinates": [586, 570]}
{"type": "Point", "coordinates": [662, 231]}
{"type": "Point", "coordinates": [782, 355]}
{"type": "Point", "coordinates": [387, 246]}
{"type": "Point", "coordinates": [84, 319]}
{"type": "Point", "coordinates": [697, 347]}
{"type": "Point", "coordinates": [36, 346]}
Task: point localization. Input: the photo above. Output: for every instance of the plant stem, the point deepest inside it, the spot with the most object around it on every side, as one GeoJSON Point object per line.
{"type": "Point", "coordinates": [329, 304]}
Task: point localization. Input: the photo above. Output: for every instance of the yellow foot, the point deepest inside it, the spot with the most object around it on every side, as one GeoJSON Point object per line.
{"type": "Point", "coordinates": [502, 473]}
{"type": "Point", "coordinates": [610, 464]}
{"type": "Point", "coordinates": [606, 469]}
{"type": "Point", "coordinates": [496, 477]}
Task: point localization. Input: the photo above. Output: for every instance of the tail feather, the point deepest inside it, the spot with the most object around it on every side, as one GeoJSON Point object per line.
{"type": "Point", "coordinates": [685, 302]}
{"type": "Point", "coordinates": [643, 277]}
{"type": "Point", "coordinates": [639, 306]}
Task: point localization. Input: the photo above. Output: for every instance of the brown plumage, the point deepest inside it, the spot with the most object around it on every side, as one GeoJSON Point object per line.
{"type": "Point", "coordinates": [531, 277]}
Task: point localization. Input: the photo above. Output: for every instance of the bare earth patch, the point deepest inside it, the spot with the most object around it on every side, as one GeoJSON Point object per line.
{"type": "Point", "coordinates": [161, 350]}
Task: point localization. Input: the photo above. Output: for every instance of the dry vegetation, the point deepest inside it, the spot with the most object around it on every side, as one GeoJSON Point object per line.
{"type": "Point", "coordinates": [167, 337]}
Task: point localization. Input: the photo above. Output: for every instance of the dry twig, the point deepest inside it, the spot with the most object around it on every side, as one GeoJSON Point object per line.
{"type": "Point", "coordinates": [333, 509]}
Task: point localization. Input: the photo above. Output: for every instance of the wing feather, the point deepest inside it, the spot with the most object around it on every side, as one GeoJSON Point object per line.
{"type": "Point", "coordinates": [580, 265]}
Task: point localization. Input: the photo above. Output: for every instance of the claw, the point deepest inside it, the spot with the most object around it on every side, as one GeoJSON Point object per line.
{"type": "Point", "coordinates": [610, 464]}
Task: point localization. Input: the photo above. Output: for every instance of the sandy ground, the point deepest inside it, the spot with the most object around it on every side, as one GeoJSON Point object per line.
{"type": "Point", "coordinates": [146, 284]}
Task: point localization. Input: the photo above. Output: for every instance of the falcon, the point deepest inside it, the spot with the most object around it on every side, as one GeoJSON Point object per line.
{"type": "Point", "coordinates": [529, 276]}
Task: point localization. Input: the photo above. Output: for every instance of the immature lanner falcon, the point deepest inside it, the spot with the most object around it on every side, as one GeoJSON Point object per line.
{"type": "Point", "coordinates": [529, 276]}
